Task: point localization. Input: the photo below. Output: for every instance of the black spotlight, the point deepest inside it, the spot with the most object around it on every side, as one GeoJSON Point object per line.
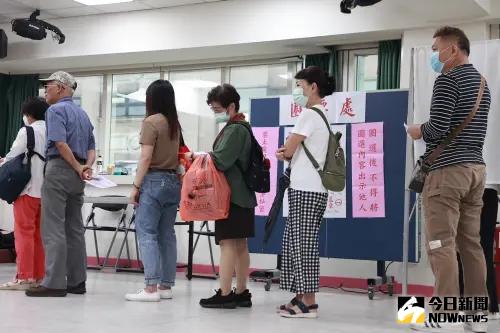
{"type": "Point", "coordinates": [347, 5]}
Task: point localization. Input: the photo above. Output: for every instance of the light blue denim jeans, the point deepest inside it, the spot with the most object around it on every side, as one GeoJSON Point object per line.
{"type": "Point", "coordinates": [155, 220]}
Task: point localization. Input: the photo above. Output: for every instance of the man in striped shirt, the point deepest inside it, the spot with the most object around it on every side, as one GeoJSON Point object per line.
{"type": "Point", "coordinates": [452, 195]}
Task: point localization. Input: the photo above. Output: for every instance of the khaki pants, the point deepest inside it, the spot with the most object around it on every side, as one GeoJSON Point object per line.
{"type": "Point", "coordinates": [452, 200]}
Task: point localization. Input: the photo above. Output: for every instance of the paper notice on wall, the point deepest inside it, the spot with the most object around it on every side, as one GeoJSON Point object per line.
{"type": "Point", "coordinates": [100, 182]}
{"type": "Point", "coordinates": [290, 111]}
{"type": "Point", "coordinates": [268, 139]}
{"type": "Point", "coordinates": [348, 107]}
{"type": "Point", "coordinates": [368, 192]}
{"type": "Point", "coordinates": [337, 201]}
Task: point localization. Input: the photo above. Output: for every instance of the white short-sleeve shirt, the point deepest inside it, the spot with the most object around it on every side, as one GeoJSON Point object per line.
{"type": "Point", "coordinates": [34, 187]}
{"type": "Point", "coordinates": [303, 176]}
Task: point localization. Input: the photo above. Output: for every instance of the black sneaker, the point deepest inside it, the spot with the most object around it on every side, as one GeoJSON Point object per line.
{"type": "Point", "coordinates": [243, 300]}
{"type": "Point", "coordinates": [218, 301]}
{"type": "Point", "coordinates": [79, 289]}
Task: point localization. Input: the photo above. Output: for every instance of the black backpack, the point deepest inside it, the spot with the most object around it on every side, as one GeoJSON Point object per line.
{"type": "Point", "coordinates": [257, 177]}
{"type": "Point", "coordinates": [14, 174]}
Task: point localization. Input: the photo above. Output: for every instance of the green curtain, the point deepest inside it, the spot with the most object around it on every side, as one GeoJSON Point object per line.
{"type": "Point", "coordinates": [389, 64]}
{"type": "Point", "coordinates": [336, 70]}
{"type": "Point", "coordinates": [320, 60]}
{"type": "Point", "coordinates": [4, 87]}
{"type": "Point", "coordinates": [14, 91]}
{"type": "Point", "coordinates": [327, 62]}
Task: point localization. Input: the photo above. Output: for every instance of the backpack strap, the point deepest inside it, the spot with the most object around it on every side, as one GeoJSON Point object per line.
{"type": "Point", "coordinates": [322, 115]}
{"type": "Point", "coordinates": [308, 153]}
{"type": "Point", "coordinates": [252, 139]}
{"type": "Point", "coordinates": [30, 145]}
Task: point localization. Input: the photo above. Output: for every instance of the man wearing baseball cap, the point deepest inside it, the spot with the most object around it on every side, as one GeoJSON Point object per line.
{"type": "Point", "coordinates": [70, 154]}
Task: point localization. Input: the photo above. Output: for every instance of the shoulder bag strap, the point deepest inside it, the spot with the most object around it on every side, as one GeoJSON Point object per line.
{"type": "Point", "coordinates": [457, 130]}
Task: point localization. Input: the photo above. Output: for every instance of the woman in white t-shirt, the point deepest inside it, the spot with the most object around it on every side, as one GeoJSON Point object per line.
{"type": "Point", "coordinates": [30, 258]}
{"type": "Point", "coordinates": [306, 195]}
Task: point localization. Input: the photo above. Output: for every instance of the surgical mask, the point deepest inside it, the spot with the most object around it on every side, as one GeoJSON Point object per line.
{"type": "Point", "coordinates": [221, 117]}
{"type": "Point", "coordinates": [436, 64]}
{"type": "Point", "coordinates": [298, 97]}
{"type": "Point", "coordinates": [25, 121]}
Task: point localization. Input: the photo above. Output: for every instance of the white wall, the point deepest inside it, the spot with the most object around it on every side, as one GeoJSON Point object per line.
{"type": "Point", "coordinates": [223, 30]}
{"type": "Point", "coordinates": [423, 37]}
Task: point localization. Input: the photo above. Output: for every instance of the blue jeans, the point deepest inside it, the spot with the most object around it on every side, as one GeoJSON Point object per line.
{"type": "Point", "coordinates": [155, 220]}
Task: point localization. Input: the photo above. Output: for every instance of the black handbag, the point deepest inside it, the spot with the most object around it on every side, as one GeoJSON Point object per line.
{"type": "Point", "coordinates": [423, 166]}
{"type": "Point", "coordinates": [15, 174]}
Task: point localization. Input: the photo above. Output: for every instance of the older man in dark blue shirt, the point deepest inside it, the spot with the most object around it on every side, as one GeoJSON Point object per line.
{"type": "Point", "coordinates": [70, 155]}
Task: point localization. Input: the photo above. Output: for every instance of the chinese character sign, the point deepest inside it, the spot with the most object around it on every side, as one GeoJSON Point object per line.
{"type": "Point", "coordinates": [336, 204]}
{"type": "Point", "coordinates": [368, 187]}
{"type": "Point", "coordinates": [348, 107]}
{"type": "Point", "coordinates": [268, 140]}
{"type": "Point", "coordinates": [289, 111]}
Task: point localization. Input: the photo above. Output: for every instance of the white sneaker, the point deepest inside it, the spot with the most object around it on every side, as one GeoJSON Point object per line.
{"type": "Point", "coordinates": [437, 327]}
{"type": "Point", "coordinates": [165, 293]}
{"type": "Point", "coordinates": [477, 327]}
{"type": "Point", "coordinates": [17, 285]}
{"type": "Point", "coordinates": [143, 296]}
{"type": "Point", "coordinates": [494, 316]}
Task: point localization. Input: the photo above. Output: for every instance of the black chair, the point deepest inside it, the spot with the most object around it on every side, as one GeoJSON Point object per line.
{"type": "Point", "coordinates": [207, 232]}
{"type": "Point", "coordinates": [119, 227]}
{"type": "Point", "coordinates": [130, 227]}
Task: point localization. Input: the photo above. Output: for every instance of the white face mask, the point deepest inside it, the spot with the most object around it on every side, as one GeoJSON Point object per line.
{"type": "Point", "coordinates": [25, 121]}
{"type": "Point", "coordinates": [298, 96]}
{"type": "Point", "coordinates": [221, 117]}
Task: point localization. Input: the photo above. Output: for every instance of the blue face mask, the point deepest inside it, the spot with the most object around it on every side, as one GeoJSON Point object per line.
{"type": "Point", "coordinates": [436, 64]}
{"type": "Point", "coordinates": [221, 117]}
{"type": "Point", "coordinates": [298, 97]}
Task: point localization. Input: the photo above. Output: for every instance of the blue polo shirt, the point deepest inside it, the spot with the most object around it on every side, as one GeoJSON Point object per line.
{"type": "Point", "coordinates": [67, 122]}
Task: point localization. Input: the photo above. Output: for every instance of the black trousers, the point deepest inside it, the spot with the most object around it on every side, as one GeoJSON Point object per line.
{"type": "Point", "coordinates": [488, 224]}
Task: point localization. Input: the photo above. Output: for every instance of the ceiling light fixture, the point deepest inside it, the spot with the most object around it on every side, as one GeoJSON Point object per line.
{"type": "Point", "coordinates": [101, 2]}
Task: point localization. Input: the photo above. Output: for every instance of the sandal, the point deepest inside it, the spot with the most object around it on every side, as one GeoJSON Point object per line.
{"type": "Point", "coordinates": [300, 310]}
{"type": "Point", "coordinates": [283, 307]}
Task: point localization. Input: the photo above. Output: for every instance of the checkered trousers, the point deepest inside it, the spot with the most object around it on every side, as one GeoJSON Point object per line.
{"type": "Point", "coordinates": [300, 252]}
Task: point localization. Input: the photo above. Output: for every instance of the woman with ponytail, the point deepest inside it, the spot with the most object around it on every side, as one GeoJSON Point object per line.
{"type": "Point", "coordinates": [307, 197]}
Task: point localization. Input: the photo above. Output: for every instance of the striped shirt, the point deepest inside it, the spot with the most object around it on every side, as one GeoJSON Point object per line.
{"type": "Point", "coordinates": [454, 95]}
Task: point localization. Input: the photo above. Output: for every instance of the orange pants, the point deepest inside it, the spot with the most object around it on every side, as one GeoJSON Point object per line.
{"type": "Point", "coordinates": [29, 249]}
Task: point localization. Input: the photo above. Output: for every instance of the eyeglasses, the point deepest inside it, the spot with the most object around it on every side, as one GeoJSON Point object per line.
{"type": "Point", "coordinates": [216, 108]}
{"type": "Point", "coordinates": [49, 85]}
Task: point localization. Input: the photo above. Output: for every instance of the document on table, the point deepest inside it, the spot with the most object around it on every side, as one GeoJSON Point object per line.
{"type": "Point", "coordinates": [100, 182]}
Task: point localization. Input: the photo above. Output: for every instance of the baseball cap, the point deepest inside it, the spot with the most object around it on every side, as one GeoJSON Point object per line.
{"type": "Point", "coordinates": [62, 77]}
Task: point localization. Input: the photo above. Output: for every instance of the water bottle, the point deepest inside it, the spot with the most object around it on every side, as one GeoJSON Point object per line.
{"type": "Point", "coordinates": [99, 164]}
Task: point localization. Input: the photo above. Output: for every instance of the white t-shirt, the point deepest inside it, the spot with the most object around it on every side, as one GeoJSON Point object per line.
{"type": "Point", "coordinates": [304, 177]}
{"type": "Point", "coordinates": [34, 187]}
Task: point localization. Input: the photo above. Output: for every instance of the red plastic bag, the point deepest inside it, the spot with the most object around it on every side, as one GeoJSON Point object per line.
{"type": "Point", "coordinates": [205, 194]}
